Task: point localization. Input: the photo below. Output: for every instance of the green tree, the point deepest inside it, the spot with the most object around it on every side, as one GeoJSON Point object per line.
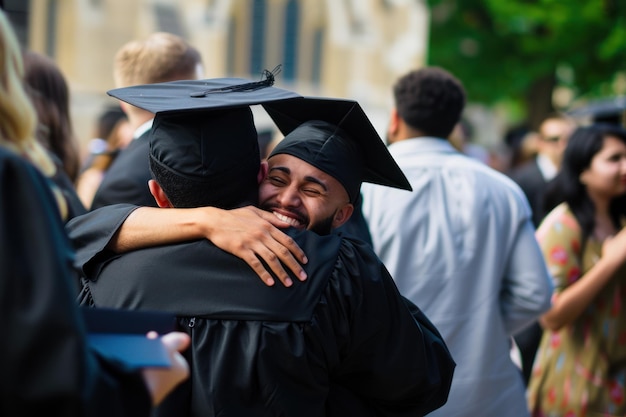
{"type": "Point", "coordinates": [519, 51]}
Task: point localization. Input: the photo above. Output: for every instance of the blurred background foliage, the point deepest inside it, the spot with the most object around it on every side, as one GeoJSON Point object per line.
{"type": "Point", "coordinates": [533, 56]}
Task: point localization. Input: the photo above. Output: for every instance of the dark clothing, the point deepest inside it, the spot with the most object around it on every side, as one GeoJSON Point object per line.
{"type": "Point", "coordinates": [74, 206]}
{"type": "Point", "coordinates": [45, 366]}
{"type": "Point", "coordinates": [533, 184]}
{"type": "Point", "coordinates": [356, 226]}
{"type": "Point", "coordinates": [126, 180]}
{"type": "Point", "coordinates": [343, 340]}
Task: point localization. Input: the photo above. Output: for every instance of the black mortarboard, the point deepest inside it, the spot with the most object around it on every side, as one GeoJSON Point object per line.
{"type": "Point", "coordinates": [201, 95]}
{"type": "Point", "coordinates": [607, 110]}
{"type": "Point", "coordinates": [204, 131]}
{"type": "Point", "coordinates": [336, 137]}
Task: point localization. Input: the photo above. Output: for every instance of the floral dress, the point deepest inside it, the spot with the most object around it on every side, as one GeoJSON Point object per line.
{"type": "Point", "coordinates": [580, 370]}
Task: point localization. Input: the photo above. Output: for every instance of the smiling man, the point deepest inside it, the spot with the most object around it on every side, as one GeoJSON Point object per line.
{"type": "Point", "coordinates": [310, 188]}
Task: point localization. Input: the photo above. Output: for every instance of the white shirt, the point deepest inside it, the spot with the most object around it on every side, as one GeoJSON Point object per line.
{"type": "Point", "coordinates": [547, 167]}
{"type": "Point", "coordinates": [462, 247]}
{"type": "Point", "coordinates": [143, 129]}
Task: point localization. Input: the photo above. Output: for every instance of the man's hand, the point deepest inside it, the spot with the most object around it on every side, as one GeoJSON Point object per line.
{"type": "Point", "coordinates": [253, 235]}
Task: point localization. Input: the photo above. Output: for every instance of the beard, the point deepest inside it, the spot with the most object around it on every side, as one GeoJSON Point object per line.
{"type": "Point", "coordinates": [323, 227]}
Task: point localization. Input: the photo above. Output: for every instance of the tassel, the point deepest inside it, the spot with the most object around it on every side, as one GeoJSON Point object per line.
{"type": "Point", "coordinates": [267, 80]}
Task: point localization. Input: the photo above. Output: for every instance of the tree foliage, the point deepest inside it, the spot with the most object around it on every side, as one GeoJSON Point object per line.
{"type": "Point", "coordinates": [520, 50]}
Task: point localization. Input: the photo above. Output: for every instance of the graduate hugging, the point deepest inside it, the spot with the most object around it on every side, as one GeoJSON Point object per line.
{"type": "Point", "coordinates": [337, 338]}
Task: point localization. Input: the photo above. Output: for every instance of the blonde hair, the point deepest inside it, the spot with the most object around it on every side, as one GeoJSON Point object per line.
{"type": "Point", "coordinates": [158, 58]}
{"type": "Point", "coordinates": [18, 119]}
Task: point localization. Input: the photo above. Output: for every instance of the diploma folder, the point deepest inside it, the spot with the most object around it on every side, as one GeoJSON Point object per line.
{"type": "Point", "coordinates": [120, 335]}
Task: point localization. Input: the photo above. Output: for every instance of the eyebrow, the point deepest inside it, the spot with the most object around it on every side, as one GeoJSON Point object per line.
{"type": "Point", "coordinates": [306, 178]}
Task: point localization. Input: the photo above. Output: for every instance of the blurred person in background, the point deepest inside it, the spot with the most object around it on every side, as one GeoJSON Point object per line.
{"type": "Point", "coordinates": [580, 367]}
{"type": "Point", "coordinates": [49, 94]}
{"type": "Point", "coordinates": [112, 133]}
{"type": "Point", "coordinates": [461, 246]}
{"type": "Point", "coordinates": [158, 58]}
{"type": "Point", "coordinates": [461, 138]}
{"type": "Point", "coordinates": [533, 177]}
{"type": "Point", "coordinates": [48, 90]}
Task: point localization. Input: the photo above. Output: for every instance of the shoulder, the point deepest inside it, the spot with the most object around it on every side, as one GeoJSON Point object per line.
{"type": "Point", "coordinates": [560, 220]}
{"type": "Point", "coordinates": [15, 170]}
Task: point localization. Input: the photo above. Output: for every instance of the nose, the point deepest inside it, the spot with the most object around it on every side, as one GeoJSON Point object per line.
{"type": "Point", "coordinates": [289, 197]}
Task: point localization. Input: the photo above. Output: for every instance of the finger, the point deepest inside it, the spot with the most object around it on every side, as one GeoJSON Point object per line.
{"type": "Point", "coordinates": [286, 259]}
{"type": "Point", "coordinates": [176, 341]}
{"type": "Point", "coordinates": [277, 259]}
{"type": "Point", "coordinates": [292, 248]}
{"type": "Point", "coordinates": [272, 260]}
{"type": "Point", "coordinates": [257, 266]}
{"type": "Point", "coordinates": [152, 334]}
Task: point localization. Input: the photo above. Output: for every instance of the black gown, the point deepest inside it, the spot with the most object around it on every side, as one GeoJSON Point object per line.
{"type": "Point", "coordinates": [45, 367]}
{"type": "Point", "coordinates": [341, 343]}
{"type": "Point", "coordinates": [126, 180]}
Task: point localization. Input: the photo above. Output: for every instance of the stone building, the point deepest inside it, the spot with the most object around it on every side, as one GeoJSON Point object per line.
{"type": "Point", "coordinates": [342, 48]}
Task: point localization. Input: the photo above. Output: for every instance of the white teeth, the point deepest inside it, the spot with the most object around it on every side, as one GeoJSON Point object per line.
{"type": "Point", "coordinates": [286, 219]}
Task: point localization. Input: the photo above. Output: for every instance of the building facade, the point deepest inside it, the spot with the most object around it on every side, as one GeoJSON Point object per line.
{"type": "Point", "coordinates": [341, 48]}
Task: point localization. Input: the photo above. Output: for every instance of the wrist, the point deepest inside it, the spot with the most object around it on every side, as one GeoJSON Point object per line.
{"type": "Point", "coordinates": [202, 221]}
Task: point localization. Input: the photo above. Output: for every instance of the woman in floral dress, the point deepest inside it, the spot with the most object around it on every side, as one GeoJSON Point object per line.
{"type": "Point", "coordinates": [580, 368]}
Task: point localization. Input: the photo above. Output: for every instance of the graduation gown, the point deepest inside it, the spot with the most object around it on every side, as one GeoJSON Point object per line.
{"type": "Point", "coordinates": [45, 367]}
{"type": "Point", "coordinates": [341, 343]}
{"type": "Point", "coordinates": [126, 180]}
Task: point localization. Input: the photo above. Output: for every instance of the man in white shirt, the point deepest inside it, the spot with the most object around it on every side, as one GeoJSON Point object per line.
{"type": "Point", "coordinates": [461, 246]}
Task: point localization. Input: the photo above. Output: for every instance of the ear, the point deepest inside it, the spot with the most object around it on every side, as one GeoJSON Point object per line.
{"type": "Point", "coordinates": [394, 125]}
{"type": "Point", "coordinates": [158, 194]}
{"type": "Point", "coordinates": [263, 169]}
{"type": "Point", "coordinates": [124, 106]}
{"type": "Point", "coordinates": [342, 215]}
{"type": "Point", "coordinates": [394, 121]}
{"type": "Point", "coordinates": [582, 178]}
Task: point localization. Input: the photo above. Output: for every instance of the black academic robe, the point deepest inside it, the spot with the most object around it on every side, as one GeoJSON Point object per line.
{"type": "Point", "coordinates": [341, 343]}
{"type": "Point", "coordinates": [126, 180]}
{"type": "Point", "coordinates": [45, 366]}
{"type": "Point", "coordinates": [74, 206]}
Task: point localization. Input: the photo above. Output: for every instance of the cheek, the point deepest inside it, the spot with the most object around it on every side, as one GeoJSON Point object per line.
{"type": "Point", "coordinates": [266, 191]}
{"type": "Point", "coordinates": [605, 175]}
{"type": "Point", "coordinates": [314, 208]}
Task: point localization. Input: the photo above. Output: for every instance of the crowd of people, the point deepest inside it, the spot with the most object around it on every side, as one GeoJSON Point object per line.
{"type": "Point", "coordinates": [340, 275]}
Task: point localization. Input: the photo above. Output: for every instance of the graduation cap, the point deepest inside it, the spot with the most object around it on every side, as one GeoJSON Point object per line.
{"type": "Point", "coordinates": [608, 110]}
{"type": "Point", "coordinates": [204, 132]}
{"type": "Point", "coordinates": [336, 136]}
{"type": "Point", "coordinates": [202, 95]}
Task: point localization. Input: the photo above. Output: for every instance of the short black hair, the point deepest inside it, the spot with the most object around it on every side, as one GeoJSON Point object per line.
{"type": "Point", "coordinates": [430, 100]}
{"type": "Point", "coordinates": [185, 192]}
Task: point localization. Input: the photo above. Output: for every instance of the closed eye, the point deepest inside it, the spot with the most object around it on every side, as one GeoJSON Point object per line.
{"type": "Point", "coordinates": [277, 181]}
